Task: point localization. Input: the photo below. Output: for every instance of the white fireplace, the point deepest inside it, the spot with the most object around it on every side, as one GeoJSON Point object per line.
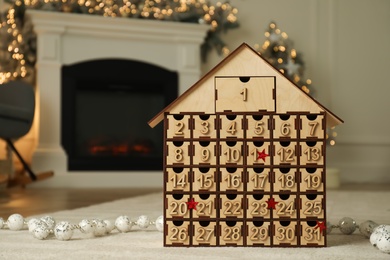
{"type": "Point", "coordinates": [65, 39]}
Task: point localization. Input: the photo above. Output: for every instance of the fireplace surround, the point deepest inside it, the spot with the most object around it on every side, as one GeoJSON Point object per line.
{"type": "Point", "coordinates": [66, 39]}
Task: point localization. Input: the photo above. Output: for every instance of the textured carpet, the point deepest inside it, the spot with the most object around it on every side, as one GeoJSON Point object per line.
{"type": "Point", "coordinates": [147, 244]}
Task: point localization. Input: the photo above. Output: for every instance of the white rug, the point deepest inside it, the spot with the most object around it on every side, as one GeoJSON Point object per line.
{"type": "Point", "coordinates": [139, 244]}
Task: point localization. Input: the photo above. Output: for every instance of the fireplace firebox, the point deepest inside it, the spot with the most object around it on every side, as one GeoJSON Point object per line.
{"type": "Point", "coordinates": [104, 112]}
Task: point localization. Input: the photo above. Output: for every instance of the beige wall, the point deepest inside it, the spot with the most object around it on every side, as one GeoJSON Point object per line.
{"type": "Point", "coordinates": [345, 44]}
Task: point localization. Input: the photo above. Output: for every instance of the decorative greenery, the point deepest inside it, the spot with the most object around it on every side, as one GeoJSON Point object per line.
{"type": "Point", "coordinates": [17, 51]}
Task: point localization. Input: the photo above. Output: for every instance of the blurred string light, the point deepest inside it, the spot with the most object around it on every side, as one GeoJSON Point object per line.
{"type": "Point", "coordinates": [278, 50]}
{"type": "Point", "coordinates": [14, 44]}
{"type": "Point", "coordinates": [17, 47]}
{"type": "Point", "coordinates": [331, 135]}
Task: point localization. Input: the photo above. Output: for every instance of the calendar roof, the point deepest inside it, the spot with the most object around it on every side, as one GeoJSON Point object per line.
{"type": "Point", "coordinates": [245, 62]}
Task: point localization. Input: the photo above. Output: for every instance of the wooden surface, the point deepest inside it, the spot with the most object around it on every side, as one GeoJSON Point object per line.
{"type": "Point", "coordinates": [40, 201]}
{"type": "Point", "coordinates": [273, 206]}
{"type": "Point", "coordinates": [29, 202]}
{"type": "Point", "coordinates": [244, 62]}
{"type": "Point", "coordinates": [239, 94]}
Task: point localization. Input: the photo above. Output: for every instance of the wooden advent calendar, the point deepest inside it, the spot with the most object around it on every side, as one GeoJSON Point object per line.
{"type": "Point", "coordinates": [245, 159]}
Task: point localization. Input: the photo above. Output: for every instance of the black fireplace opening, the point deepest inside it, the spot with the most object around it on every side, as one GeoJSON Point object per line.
{"type": "Point", "coordinates": [105, 107]}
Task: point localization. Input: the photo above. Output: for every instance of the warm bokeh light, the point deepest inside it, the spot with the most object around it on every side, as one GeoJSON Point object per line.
{"type": "Point", "coordinates": [279, 51]}
{"type": "Point", "coordinates": [220, 16]}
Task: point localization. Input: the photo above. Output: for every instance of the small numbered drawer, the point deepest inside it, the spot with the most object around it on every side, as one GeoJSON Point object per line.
{"type": "Point", "coordinates": [258, 206]}
{"type": "Point", "coordinates": [232, 179]}
{"type": "Point", "coordinates": [312, 179]}
{"type": "Point", "coordinates": [177, 205]}
{"type": "Point", "coordinates": [285, 233]}
{"type": "Point", "coordinates": [313, 233]}
{"type": "Point", "coordinates": [258, 179]}
{"type": "Point", "coordinates": [177, 233]}
{"type": "Point", "coordinates": [312, 206]}
{"type": "Point", "coordinates": [178, 179]}
{"type": "Point", "coordinates": [286, 206]}
{"type": "Point", "coordinates": [312, 152]}
{"type": "Point", "coordinates": [204, 152]}
{"type": "Point", "coordinates": [312, 126]}
{"type": "Point", "coordinates": [285, 126]}
{"type": "Point", "coordinates": [178, 152]}
{"type": "Point", "coordinates": [205, 233]}
{"type": "Point", "coordinates": [204, 179]}
{"type": "Point", "coordinates": [258, 233]}
{"type": "Point", "coordinates": [258, 126]}
{"type": "Point", "coordinates": [232, 233]}
{"type": "Point", "coordinates": [285, 152]}
{"type": "Point", "coordinates": [256, 93]}
{"type": "Point", "coordinates": [231, 126]}
{"type": "Point", "coordinates": [232, 206]}
{"type": "Point", "coordinates": [206, 206]}
{"type": "Point", "coordinates": [204, 126]}
{"type": "Point", "coordinates": [258, 153]}
{"type": "Point", "coordinates": [286, 179]}
{"type": "Point", "coordinates": [231, 152]}
{"type": "Point", "coordinates": [178, 126]}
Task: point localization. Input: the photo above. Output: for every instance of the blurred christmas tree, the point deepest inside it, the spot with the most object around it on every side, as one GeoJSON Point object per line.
{"type": "Point", "coordinates": [278, 50]}
{"type": "Point", "coordinates": [17, 45]}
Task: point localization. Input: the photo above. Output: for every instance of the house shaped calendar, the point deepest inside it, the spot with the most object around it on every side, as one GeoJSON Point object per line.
{"type": "Point", "coordinates": [245, 159]}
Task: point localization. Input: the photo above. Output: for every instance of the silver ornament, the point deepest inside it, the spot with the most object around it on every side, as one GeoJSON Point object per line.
{"type": "Point", "coordinates": [15, 222]}
{"type": "Point", "coordinates": [377, 233]}
{"type": "Point", "coordinates": [367, 227]}
{"type": "Point", "coordinates": [100, 227]}
{"type": "Point", "coordinates": [109, 226]}
{"type": "Point", "coordinates": [32, 224]}
{"type": "Point", "coordinates": [86, 226]}
{"type": "Point", "coordinates": [143, 221]}
{"type": "Point", "coordinates": [51, 223]}
{"type": "Point", "coordinates": [63, 231]}
{"type": "Point", "coordinates": [41, 230]}
{"type": "Point", "coordinates": [347, 225]}
{"type": "Point", "coordinates": [160, 223]}
{"type": "Point", "coordinates": [123, 224]}
{"type": "Point", "coordinates": [383, 241]}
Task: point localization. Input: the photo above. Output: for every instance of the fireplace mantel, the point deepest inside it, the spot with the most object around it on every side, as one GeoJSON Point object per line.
{"type": "Point", "coordinates": [65, 39]}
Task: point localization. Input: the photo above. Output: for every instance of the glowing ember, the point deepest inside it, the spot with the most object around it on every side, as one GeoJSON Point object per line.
{"type": "Point", "coordinates": [107, 148]}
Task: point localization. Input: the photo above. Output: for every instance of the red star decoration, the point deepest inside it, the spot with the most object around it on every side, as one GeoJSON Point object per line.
{"type": "Point", "coordinates": [262, 155]}
{"type": "Point", "coordinates": [321, 226]}
{"type": "Point", "coordinates": [192, 204]}
{"type": "Point", "coordinates": [271, 203]}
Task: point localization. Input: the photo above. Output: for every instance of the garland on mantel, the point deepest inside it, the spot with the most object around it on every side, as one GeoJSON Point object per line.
{"type": "Point", "coordinates": [18, 40]}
